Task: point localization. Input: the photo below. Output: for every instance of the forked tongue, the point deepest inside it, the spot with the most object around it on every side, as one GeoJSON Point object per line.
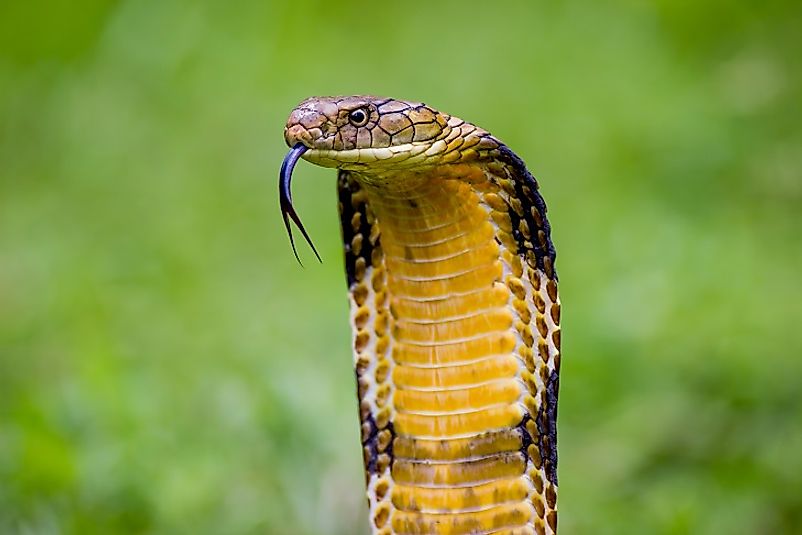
{"type": "Point", "coordinates": [285, 197]}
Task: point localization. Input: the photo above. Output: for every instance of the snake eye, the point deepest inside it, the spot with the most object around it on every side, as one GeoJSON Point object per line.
{"type": "Point", "coordinates": [358, 117]}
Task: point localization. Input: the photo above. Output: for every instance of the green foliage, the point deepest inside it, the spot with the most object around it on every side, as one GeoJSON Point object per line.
{"type": "Point", "coordinates": [166, 367]}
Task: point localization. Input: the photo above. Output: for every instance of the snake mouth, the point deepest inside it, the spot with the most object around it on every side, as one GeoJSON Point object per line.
{"type": "Point", "coordinates": [285, 197]}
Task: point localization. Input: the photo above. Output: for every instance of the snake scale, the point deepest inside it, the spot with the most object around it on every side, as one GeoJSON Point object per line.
{"type": "Point", "coordinates": [454, 311]}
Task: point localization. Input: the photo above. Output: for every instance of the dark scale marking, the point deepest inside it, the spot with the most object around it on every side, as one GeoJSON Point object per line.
{"type": "Point", "coordinates": [546, 418]}
{"type": "Point", "coordinates": [526, 438]}
{"type": "Point", "coordinates": [550, 457]}
{"type": "Point", "coordinates": [346, 188]}
{"type": "Point", "coordinates": [546, 422]}
{"type": "Point", "coordinates": [522, 177]}
{"type": "Point", "coordinates": [371, 444]}
{"type": "Point", "coordinates": [515, 220]}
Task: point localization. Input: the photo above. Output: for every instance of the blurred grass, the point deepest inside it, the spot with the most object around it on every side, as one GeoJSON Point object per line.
{"type": "Point", "coordinates": [166, 367]}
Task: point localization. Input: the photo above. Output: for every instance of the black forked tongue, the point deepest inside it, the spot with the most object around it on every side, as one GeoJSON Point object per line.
{"type": "Point", "coordinates": [285, 197]}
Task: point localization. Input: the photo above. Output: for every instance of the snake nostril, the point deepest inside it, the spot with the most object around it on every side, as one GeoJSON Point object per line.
{"type": "Point", "coordinates": [297, 133]}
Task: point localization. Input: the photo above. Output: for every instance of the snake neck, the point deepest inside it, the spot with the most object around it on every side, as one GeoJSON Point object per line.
{"type": "Point", "coordinates": [449, 321]}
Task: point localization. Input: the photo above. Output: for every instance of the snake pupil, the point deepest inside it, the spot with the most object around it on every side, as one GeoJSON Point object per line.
{"type": "Point", "coordinates": [358, 117]}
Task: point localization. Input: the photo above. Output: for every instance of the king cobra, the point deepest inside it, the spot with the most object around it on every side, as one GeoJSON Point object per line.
{"type": "Point", "coordinates": [454, 311]}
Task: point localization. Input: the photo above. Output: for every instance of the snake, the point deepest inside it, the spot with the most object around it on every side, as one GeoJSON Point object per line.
{"type": "Point", "coordinates": [454, 311]}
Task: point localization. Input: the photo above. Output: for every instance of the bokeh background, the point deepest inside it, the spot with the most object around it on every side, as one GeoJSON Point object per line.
{"type": "Point", "coordinates": [167, 367]}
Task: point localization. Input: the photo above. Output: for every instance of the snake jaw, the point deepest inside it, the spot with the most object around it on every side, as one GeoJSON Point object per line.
{"type": "Point", "coordinates": [285, 198]}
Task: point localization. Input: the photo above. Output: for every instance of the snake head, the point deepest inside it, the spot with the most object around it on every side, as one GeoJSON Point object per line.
{"type": "Point", "coordinates": [375, 137]}
{"type": "Point", "coordinates": [355, 133]}
{"type": "Point", "coordinates": [364, 132]}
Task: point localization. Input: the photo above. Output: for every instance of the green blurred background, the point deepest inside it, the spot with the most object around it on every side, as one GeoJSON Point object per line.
{"type": "Point", "coordinates": [167, 367]}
